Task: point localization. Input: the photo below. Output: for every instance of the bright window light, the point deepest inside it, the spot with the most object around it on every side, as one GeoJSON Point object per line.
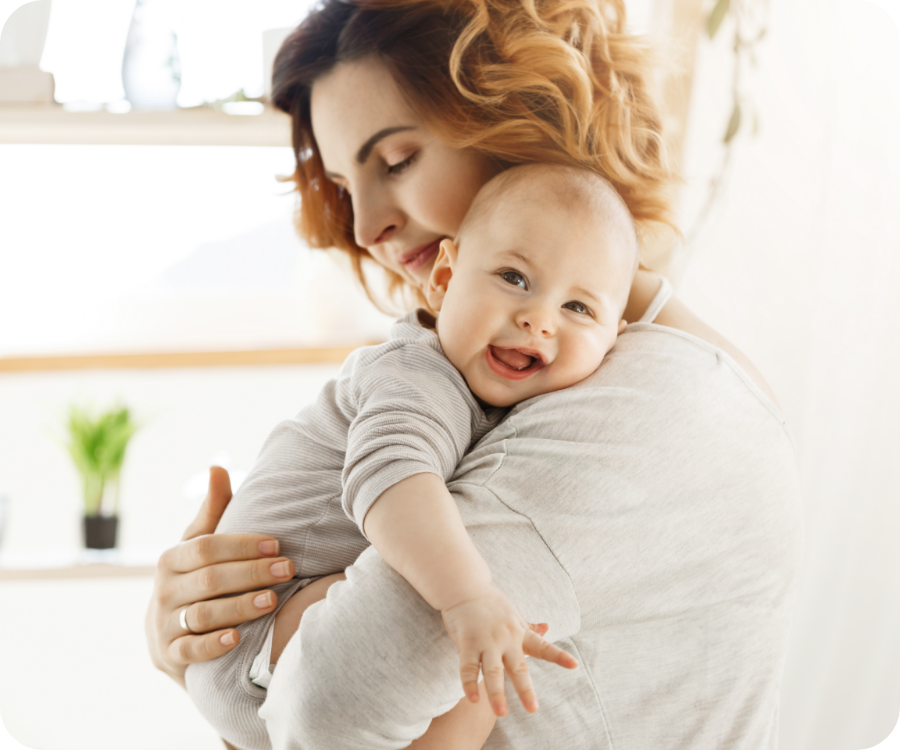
{"type": "Point", "coordinates": [162, 248]}
{"type": "Point", "coordinates": [219, 43]}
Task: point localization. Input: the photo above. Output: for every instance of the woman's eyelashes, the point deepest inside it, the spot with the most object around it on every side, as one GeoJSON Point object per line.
{"type": "Point", "coordinates": [401, 166]}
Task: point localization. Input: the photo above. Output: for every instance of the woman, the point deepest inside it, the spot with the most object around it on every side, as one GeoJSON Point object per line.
{"type": "Point", "coordinates": [401, 110]}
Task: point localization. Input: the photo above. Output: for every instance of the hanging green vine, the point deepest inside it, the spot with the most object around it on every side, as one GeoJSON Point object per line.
{"type": "Point", "coordinates": [748, 20]}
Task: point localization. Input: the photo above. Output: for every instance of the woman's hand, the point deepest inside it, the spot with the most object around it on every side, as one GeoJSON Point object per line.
{"type": "Point", "coordinates": [491, 636]}
{"type": "Point", "coordinates": [198, 574]}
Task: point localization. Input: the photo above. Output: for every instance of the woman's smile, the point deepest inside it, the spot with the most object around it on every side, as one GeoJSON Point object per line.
{"type": "Point", "coordinates": [420, 256]}
{"type": "Point", "coordinates": [363, 124]}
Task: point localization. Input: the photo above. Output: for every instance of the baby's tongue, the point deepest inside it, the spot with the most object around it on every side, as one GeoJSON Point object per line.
{"type": "Point", "coordinates": [512, 358]}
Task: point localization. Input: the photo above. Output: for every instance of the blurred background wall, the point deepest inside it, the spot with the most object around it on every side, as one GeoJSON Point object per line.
{"type": "Point", "coordinates": [155, 242]}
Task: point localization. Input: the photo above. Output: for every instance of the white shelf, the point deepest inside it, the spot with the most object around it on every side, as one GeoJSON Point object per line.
{"type": "Point", "coordinates": [200, 126]}
{"type": "Point", "coordinates": [77, 563]}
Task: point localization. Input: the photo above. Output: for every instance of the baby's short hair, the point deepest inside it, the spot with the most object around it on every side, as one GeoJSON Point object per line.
{"type": "Point", "coordinates": [571, 187]}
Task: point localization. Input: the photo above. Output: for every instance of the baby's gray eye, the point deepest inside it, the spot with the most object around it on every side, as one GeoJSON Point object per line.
{"type": "Point", "coordinates": [514, 278]}
{"type": "Point", "coordinates": [577, 307]}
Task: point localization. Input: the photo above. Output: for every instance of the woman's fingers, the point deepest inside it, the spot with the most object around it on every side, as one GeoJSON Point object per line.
{"type": "Point", "coordinates": [205, 617]}
{"type": "Point", "coordinates": [211, 549]}
{"type": "Point", "coordinates": [535, 646]}
{"type": "Point", "coordinates": [217, 499]}
{"type": "Point", "coordinates": [214, 581]}
{"type": "Point", "coordinates": [191, 649]}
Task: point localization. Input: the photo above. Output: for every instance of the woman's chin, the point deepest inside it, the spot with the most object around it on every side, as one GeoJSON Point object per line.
{"type": "Point", "coordinates": [420, 278]}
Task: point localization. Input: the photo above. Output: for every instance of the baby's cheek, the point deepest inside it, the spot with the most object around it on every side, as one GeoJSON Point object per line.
{"type": "Point", "coordinates": [584, 362]}
{"type": "Point", "coordinates": [456, 348]}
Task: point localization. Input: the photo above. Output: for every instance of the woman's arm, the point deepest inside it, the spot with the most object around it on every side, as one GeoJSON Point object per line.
{"type": "Point", "coordinates": [200, 573]}
{"type": "Point", "coordinates": [675, 314]}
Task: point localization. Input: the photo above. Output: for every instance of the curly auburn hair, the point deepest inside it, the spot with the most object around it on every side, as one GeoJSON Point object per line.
{"type": "Point", "coordinates": [522, 81]}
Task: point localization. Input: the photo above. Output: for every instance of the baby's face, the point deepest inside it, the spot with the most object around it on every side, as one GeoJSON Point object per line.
{"type": "Point", "coordinates": [532, 302]}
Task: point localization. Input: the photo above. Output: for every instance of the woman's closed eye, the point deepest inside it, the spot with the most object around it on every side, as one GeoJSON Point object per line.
{"type": "Point", "coordinates": [514, 278]}
{"type": "Point", "coordinates": [401, 166]}
{"type": "Point", "coordinates": [578, 307]}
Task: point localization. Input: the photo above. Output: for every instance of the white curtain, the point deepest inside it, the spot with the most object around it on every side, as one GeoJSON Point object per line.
{"type": "Point", "coordinates": [799, 265]}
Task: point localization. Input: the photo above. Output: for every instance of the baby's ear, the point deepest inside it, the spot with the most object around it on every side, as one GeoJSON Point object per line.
{"type": "Point", "coordinates": [437, 285]}
{"type": "Point", "coordinates": [622, 324]}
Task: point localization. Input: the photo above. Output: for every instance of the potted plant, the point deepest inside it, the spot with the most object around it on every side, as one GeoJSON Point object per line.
{"type": "Point", "coordinates": [97, 445]}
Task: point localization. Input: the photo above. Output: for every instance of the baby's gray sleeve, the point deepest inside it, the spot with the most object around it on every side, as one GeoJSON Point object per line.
{"type": "Point", "coordinates": [415, 415]}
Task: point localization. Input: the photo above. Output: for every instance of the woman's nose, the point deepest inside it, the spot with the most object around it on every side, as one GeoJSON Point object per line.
{"type": "Point", "coordinates": [375, 220]}
{"type": "Point", "coordinates": [537, 320]}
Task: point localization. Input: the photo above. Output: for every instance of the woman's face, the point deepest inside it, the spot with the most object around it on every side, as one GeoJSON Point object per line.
{"type": "Point", "coordinates": [409, 191]}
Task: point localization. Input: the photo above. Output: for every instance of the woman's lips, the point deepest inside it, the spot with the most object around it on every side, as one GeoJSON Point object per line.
{"type": "Point", "coordinates": [502, 361]}
{"type": "Point", "coordinates": [415, 259]}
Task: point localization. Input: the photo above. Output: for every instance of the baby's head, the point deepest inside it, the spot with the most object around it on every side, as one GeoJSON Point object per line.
{"type": "Point", "coordinates": [530, 296]}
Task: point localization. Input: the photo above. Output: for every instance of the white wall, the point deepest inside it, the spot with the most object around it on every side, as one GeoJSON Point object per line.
{"type": "Point", "coordinates": [188, 416]}
{"type": "Point", "coordinates": [799, 266]}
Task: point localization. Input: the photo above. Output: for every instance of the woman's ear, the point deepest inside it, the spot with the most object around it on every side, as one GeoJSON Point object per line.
{"type": "Point", "coordinates": [441, 274]}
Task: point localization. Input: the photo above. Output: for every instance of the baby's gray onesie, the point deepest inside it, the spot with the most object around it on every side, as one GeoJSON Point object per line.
{"type": "Point", "coordinates": [393, 411]}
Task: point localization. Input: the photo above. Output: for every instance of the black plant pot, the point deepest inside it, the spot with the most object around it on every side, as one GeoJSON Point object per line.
{"type": "Point", "coordinates": [100, 531]}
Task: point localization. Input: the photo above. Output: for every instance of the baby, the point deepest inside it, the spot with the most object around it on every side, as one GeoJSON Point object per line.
{"type": "Point", "coordinates": [529, 299]}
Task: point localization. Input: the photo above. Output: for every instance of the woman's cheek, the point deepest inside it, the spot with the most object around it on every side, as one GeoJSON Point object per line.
{"type": "Point", "coordinates": [439, 211]}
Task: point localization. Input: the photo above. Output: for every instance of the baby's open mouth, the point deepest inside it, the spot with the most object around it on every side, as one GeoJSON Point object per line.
{"type": "Point", "coordinates": [512, 358]}
{"type": "Point", "coordinates": [514, 364]}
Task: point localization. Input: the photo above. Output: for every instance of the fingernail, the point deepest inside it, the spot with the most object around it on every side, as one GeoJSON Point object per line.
{"type": "Point", "coordinates": [533, 706]}
{"type": "Point", "coordinates": [474, 697]}
{"type": "Point", "coordinates": [227, 639]}
{"type": "Point", "coordinates": [280, 570]}
{"type": "Point", "coordinates": [269, 547]}
{"type": "Point", "coordinates": [263, 601]}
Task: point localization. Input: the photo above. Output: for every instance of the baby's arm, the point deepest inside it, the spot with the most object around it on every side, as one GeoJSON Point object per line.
{"type": "Point", "coordinates": [416, 527]}
{"type": "Point", "coordinates": [465, 727]}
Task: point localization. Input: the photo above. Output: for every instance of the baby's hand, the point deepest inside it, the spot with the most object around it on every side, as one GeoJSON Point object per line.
{"type": "Point", "coordinates": [490, 635]}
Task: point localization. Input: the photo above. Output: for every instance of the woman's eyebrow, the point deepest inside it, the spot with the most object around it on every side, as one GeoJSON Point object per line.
{"type": "Point", "coordinates": [366, 149]}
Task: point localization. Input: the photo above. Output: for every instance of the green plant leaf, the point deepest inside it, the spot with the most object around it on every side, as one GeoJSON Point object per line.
{"type": "Point", "coordinates": [97, 446]}
{"type": "Point", "coordinates": [716, 16]}
{"type": "Point", "coordinates": [734, 123]}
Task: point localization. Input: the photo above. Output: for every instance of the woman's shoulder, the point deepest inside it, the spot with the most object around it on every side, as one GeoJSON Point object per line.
{"type": "Point", "coordinates": [673, 363]}
{"type": "Point", "coordinates": [660, 385]}
{"type": "Point", "coordinates": [675, 314]}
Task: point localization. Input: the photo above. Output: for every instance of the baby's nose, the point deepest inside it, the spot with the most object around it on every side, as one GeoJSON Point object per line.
{"type": "Point", "coordinates": [537, 323]}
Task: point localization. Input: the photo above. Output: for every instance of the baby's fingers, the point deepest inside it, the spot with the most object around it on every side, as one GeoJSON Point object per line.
{"type": "Point", "coordinates": [521, 680]}
{"type": "Point", "coordinates": [492, 667]}
{"type": "Point", "coordinates": [535, 646]}
{"type": "Point", "coordinates": [469, 668]}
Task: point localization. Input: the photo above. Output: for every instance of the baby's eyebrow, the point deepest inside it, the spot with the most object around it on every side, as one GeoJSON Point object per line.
{"type": "Point", "coordinates": [585, 293]}
{"type": "Point", "coordinates": [514, 254]}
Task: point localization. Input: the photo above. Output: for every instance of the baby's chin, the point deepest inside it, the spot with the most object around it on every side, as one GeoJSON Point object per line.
{"type": "Point", "coordinates": [493, 394]}
{"type": "Point", "coordinates": [503, 397]}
